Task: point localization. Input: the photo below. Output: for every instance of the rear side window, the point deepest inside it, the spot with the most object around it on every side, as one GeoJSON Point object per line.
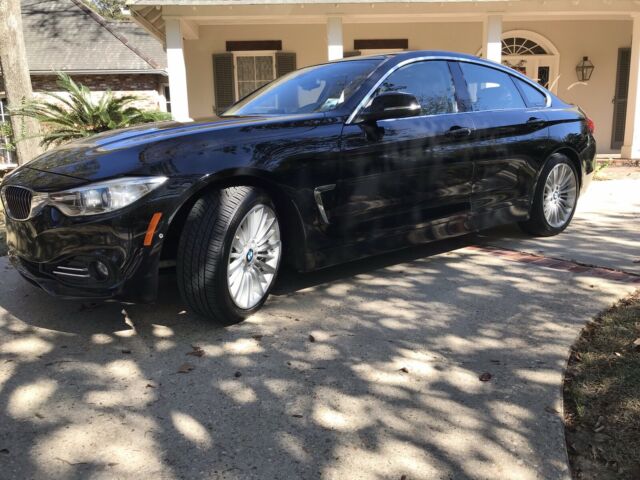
{"type": "Point", "coordinates": [490, 89]}
{"type": "Point", "coordinates": [533, 96]}
{"type": "Point", "coordinates": [430, 82]}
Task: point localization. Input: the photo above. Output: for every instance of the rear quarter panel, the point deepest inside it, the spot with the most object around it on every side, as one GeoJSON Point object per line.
{"type": "Point", "coordinates": [568, 130]}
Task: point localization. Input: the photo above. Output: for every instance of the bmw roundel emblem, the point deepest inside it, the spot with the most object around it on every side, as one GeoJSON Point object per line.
{"type": "Point", "coordinates": [250, 255]}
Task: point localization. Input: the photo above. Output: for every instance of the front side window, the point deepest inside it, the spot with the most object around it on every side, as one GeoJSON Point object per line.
{"type": "Point", "coordinates": [430, 82]}
{"type": "Point", "coordinates": [490, 89]}
{"type": "Point", "coordinates": [314, 89]}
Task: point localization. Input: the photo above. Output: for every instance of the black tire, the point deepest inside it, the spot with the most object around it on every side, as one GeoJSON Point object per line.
{"type": "Point", "coordinates": [537, 223]}
{"type": "Point", "coordinates": [203, 252]}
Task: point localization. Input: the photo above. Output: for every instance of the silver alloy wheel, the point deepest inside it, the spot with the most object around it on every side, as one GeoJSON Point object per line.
{"type": "Point", "coordinates": [559, 196]}
{"type": "Point", "coordinates": [254, 257]}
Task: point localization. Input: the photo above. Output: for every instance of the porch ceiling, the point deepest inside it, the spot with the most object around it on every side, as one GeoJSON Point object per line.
{"type": "Point", "coordinates": [152, 13]}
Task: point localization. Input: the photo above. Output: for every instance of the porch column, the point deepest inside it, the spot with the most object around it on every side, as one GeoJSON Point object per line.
{"type": "Point", "coordinates": [631, 147]}
{"type": "Point", "coordinates": [334, 38]}
{"type": "Point", "coordinates": [177, 70]}
{"type": "Point", "coordinates": [492, 38]}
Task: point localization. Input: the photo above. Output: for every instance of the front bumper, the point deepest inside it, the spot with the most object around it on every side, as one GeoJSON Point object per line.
{"type": "Point", "coordinates": [135, 284]}
{"type": "Point", "coordinates": [60, 254]}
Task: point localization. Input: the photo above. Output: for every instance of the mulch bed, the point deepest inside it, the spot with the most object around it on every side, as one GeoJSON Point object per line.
{"type": "Point", "coordinates": [602, 396]}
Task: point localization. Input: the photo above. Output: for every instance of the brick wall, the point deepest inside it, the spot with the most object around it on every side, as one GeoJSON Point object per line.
{"type": "Point", "coordinates": [144, 86]}
{"type": "Point", "coordinates": [123, 82]}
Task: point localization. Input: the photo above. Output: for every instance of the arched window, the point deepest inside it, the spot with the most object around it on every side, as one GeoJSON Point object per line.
{"type": "Point", "coordinates": [521, 46]}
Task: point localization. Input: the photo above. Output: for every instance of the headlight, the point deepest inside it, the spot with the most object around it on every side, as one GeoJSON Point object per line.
{"type": "Point", "coordinates": [103, 197]}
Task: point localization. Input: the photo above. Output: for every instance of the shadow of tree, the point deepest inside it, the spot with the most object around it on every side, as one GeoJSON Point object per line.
{"type": "Point", "coordinates": [389, 386]}
{"type": "Point", "coordinates": [604, 231]}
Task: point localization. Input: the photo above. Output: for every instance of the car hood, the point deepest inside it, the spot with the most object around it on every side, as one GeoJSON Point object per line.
{"type": "Point", "coordinates": [87, 159]}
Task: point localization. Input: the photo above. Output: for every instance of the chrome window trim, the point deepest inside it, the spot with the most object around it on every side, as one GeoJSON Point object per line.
{"type": "Point", "coordinates": [409, 61]}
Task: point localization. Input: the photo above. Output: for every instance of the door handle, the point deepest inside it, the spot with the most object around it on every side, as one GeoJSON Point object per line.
{"type": "Point", "coordinates": [458, 132]}
{"type": "Point", "coordinates": [535, 122]}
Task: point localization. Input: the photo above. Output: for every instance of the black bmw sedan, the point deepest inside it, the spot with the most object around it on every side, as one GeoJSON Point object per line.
{"type": "Point", "coordinates": [324, 165]}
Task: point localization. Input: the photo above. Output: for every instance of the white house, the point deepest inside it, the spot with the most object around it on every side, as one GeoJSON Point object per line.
{"type": "Point", "coordinates": [217, 50]}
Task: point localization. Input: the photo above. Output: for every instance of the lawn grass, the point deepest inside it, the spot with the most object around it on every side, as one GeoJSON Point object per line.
{"type": "Point", "coordinates": [602, 396]}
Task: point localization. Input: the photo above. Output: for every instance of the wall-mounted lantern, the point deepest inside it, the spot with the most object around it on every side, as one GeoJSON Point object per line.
{"type": "Point", "coordinates": [584, 69]}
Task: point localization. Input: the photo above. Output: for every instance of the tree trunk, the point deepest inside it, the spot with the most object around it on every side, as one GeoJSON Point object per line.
{"type": "Point", "coordinates": [17, 83]}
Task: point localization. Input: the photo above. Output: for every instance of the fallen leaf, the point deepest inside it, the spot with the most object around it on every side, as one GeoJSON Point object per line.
{"type": "Point", "coordinates": [312, 338]}
{"type": "Point", "coordinates": [185, 368]}
{"type": "Point", "coordinates": [257, 337]}
{"type": "Point", "coordinates": [125, 351]}
{"type": "Point", "coordinates": [196, 352]}
{"type": "Point", "coordinates": [549, 409]}
{"type": "Point", "coordinates": [70, 463]}
{"type": "Point", "coordinates": [4, 450]}
{"type": "Point", "coordinates": [39, 415]}
{"type": "Point", "coordinates": [237, 374]}
{"type": "Point", "coordinates": [485, 377]}
{"type": "Point", "coordinates": [403, 370]}
{"type": "Point", "coordinates": [149, 385]}
{"type": "Point", "coordinates": [637, 261]}
{"type": "Point", "coordinates": [296, 415]}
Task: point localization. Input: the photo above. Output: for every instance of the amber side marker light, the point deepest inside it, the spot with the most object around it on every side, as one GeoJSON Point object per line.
{"type": "Point", "coordinates": [151, 229]}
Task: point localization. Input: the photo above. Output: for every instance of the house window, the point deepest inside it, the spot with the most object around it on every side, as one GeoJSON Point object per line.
{"type": "Point", "coordinates": [253, 70]}
{"type": "Point", "coordinates": [5, 134]}
{"type": "Point", "coordinates": [167, 97]}
{"type": "Point", "coordinates": [521, 46]}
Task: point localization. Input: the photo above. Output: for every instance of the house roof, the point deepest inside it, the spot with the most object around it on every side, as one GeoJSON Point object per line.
{"type": "Point", "coordinates": [66, 35]}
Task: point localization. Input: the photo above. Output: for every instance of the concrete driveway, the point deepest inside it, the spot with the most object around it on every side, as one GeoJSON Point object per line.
{"type": "Point", "coordinates": [367, 371]}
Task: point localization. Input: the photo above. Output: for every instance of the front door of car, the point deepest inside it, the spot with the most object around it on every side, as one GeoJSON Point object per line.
{"type": "Point", "coordinates": [510, 142]}
{"type": "Point", "coordinates": [399, 175]}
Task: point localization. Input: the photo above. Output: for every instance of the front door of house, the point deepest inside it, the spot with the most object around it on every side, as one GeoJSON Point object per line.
{"type": "Point", "coordinates": [539, 68]}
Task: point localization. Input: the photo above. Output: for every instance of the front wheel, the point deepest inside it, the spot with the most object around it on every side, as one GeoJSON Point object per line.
{"type": "Point", "coordinates": [229, 253]}
{"type": "Point", "coordinates": [555, 198]}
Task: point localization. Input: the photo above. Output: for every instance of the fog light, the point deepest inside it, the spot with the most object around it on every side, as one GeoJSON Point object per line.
{"type": "Point", "coordinates": [102, 270]}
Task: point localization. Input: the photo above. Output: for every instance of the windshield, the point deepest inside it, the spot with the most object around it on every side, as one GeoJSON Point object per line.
{"type": "Point", "coordinates": [314, 89]}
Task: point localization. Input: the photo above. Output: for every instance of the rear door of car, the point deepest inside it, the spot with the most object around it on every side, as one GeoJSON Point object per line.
{"type": "Point", "coordinates": [401, 174]}
{"type": "Point", "coordinates": [510, 142]}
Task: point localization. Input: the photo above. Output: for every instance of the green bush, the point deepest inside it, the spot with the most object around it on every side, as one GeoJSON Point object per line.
{"type": "Point", "coordinates": [75, 114]}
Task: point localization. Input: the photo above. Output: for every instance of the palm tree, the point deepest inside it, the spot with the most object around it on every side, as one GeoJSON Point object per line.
{"type": "Point", "coordinates": [75, 114]}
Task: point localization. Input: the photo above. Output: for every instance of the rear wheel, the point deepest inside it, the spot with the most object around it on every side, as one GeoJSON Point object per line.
{"type": "Point", "coordinates": [229, 253]}
{"type": "Point", "coordinates": [555, 199]}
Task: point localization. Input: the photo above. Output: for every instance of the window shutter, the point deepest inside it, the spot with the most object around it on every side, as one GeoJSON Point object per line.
{"type": "Point", "coordinates": [223, 81]}
{"type": "Point", "coordinates": [352, 53]}
{"type": "Point", "coordinates": [285, 63]}
{"type": "Point", "coordinates": [620, 99]}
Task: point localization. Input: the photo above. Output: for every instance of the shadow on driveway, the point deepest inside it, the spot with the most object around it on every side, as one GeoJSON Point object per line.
{"type": "Point", "coordinates": [368, 370]}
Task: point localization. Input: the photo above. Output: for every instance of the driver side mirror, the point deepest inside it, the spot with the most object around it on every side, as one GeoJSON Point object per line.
{"type": "Point", "coordinates": [390, 105]}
